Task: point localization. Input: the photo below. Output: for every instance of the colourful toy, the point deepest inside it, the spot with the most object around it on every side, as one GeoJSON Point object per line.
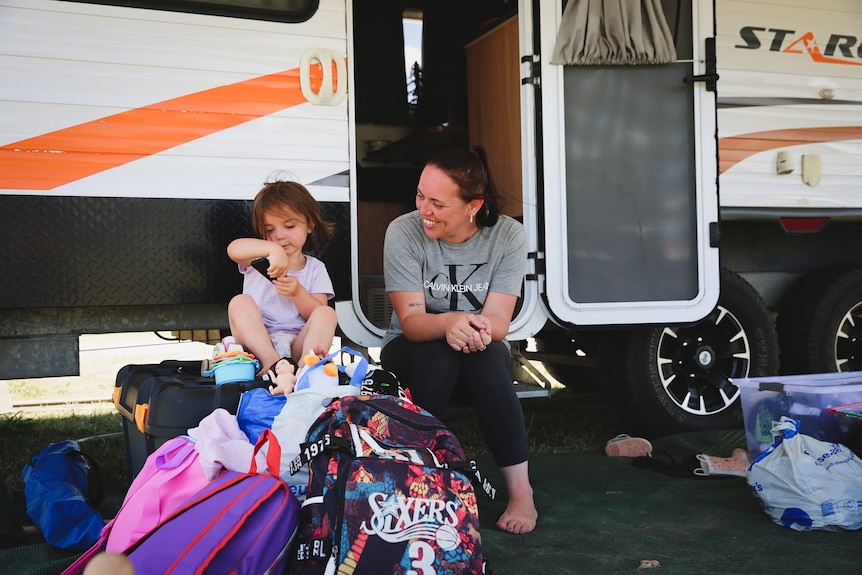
{"type": "Point", "coordinates": [315, 372]}
{"type": "Point", "coordinates": [230, 363]}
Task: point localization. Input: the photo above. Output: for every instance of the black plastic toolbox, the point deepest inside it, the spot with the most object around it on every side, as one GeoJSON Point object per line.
{"type": "Point", "coordinates": [164, 400]}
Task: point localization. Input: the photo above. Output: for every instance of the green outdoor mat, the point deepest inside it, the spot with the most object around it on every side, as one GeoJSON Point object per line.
{"type": "Point", "coordinates": [604, 515]}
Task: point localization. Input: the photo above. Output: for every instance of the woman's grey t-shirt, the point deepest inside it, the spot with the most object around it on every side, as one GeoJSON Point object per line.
{"type": "Point", "coordinates": [453, 277]}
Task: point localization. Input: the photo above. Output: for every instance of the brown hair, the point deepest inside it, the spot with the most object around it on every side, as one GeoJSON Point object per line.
{"type": "Point", "coordinates": [469, 170]}
{"type": "Point", "coordinates": [280, 196]}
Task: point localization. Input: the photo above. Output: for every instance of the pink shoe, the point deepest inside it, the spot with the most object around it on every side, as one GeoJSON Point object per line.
{"type": "Point", "coordinates": [626, 446]}
{"type": "Point", "coordinates": [737, 464]}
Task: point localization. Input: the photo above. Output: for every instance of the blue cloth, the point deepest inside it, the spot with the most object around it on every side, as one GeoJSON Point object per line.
{"type": "Point", "coordinates": [55, 487]}
{"type": "Point", "coordinates": [257, 410]}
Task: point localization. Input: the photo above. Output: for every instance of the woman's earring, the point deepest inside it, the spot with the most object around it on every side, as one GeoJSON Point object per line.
{"type": "Point", "coordinates": [471, 218]}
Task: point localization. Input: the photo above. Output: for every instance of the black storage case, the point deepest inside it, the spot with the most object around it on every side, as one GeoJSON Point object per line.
{"type": "Point", "coordinates": [173, 397]}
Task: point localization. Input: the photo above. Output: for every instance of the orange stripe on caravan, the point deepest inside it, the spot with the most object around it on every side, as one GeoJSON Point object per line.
{"type": "Point", "coordinates": [735, 149]}
{"type": "Point", "coordinates": [57, 158]}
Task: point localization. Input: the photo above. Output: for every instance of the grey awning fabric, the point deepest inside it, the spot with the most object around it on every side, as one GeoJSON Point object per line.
{"type": "Point", "coordinates": [613, 32]}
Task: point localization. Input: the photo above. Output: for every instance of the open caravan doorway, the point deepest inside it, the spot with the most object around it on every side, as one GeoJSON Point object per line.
{"type": "Point", "coordinates": [427, 76]}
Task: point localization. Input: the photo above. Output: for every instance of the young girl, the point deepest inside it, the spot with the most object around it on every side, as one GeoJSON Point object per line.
{"type": "Point", "coordinates": [284, 313]}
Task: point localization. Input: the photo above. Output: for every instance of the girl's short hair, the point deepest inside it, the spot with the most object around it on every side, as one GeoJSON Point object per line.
{"type": "Point", "coordinates": [279, 197]}
{"type": "Point", "coordinates": [469, 170]}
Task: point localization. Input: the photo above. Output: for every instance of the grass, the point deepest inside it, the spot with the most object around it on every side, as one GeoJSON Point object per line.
{"type": "Point", "coordinates": [26, 429]}
{"type": "Point", "coordinates": [571, 421]}
{"type": "Point", "coordinates": [568, 422]}
{"type": "Point", "coordinates": [99, 434]}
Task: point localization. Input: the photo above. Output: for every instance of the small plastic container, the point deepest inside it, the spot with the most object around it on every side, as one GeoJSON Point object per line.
{"type": "Point", "coordinates": [804, 398]}
{"type": "Point", "coordinates": [234, 370]}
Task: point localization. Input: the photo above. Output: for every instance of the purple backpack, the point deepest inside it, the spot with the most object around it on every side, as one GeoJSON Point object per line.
{"type": "Point", "coordinates": [170, 475]}
{"type": "Point", "coordinates": [241, 523]}
{"type": "Point", "coordinates": [389, 491]}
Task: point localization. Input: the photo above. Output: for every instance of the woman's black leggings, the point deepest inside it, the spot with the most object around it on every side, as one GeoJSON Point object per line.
{"type": "Point", "coordinates": [432, 370]}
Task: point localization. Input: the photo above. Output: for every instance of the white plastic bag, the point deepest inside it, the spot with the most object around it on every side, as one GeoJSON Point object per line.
{"type": "Point", "coordinates": [305, 404]}
{"type": "Point", "coordinates": [807, 484]}
{"type": "Point", "coordinates": [291, 427]}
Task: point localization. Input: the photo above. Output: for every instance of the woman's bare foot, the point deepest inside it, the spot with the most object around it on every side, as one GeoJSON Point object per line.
{"type": "Point", "coordinates": [519, 517]}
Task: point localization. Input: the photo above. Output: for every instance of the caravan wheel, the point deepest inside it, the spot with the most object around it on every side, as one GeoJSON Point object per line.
{"type": "Point", "coordinates": [820, 323]}
{"type": "Point", "coordinates": [680, 378]}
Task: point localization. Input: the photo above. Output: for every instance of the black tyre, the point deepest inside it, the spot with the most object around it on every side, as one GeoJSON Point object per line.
{"type": "Point", "coordinates": [672, 379]}
{"type": "Point", "coordinates": [820, 323]}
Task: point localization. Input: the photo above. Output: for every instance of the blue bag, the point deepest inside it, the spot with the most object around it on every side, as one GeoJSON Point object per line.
{"type": "Point", "coordinates": [257, 410]}
{"type": "Point", "coordinates": [55, 488]}
{"type": "Point", "coordinates": [258, 407]}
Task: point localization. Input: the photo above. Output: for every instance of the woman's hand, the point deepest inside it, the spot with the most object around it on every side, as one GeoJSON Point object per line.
{"type": "Point", "coordinates": [468, 333]}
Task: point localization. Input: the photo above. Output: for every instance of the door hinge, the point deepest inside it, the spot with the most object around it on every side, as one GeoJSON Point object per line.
{"type": "Point", "coordinates": [714, 235]}
{"type": "Point", "coordinates": [532, 65]}
{"type": "Point", "coordinates": [538, 260]}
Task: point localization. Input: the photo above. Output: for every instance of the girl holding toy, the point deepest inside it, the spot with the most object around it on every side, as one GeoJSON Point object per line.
{"type": "Point", "coordinates": [283, 310]}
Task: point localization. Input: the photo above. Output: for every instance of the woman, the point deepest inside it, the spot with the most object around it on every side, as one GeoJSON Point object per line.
{"type": "Point", "coordinates": [453, 271]}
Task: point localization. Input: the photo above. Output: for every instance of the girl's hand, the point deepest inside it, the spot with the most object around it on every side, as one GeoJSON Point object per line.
{"type": "Point", "coordinates": [278, 263]}
{"type": "Point", "coordinates": [287, 285]}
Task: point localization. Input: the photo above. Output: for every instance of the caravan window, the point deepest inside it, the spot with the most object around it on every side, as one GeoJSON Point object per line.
{"type": "Point", "coordinates": [275, 10]}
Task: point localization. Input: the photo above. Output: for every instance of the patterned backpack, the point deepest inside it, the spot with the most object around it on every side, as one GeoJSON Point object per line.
{"type": "Point", "coordinates": [389, 491]}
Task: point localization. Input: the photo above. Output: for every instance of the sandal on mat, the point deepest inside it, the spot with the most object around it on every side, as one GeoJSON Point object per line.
{"type": "Point", "coordinates": [627, 446]}
{"type": "Point", "coordinates": [737, 464]}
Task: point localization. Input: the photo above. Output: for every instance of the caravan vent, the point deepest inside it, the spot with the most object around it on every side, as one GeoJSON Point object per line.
{"type": "Point", "coordinates": [375, 305]}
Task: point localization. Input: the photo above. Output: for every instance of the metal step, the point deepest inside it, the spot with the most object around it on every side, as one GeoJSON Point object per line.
{"type": "Point", "coordinates": [529, 382]}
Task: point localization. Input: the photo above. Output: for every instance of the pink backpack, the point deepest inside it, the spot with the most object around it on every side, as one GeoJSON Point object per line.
{"type": "Point", "coordinates": [169, 477]}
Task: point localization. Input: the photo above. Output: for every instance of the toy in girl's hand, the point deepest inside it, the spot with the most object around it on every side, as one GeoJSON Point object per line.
{"type": "Point", "coordinates": [311, 374]}
{"type": "Point", "coordinates": [261, 265]}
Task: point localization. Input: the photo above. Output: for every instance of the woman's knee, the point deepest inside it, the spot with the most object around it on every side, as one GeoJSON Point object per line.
{"type": "Point", "coordinates": [495, 361]}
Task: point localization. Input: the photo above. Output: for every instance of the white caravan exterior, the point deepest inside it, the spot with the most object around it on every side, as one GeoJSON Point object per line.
{"type": "Point", "coordinates": [673, 210]}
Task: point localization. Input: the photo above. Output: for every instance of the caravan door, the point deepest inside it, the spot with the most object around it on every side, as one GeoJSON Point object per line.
{"type": "Point", "coordinates": [627, 152]}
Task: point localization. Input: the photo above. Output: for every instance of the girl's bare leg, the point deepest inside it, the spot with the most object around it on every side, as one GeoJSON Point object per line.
{"type": "Point", "coordinates": [317, 333]}
{"type": "Point", "coordinates": [246, 327]}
